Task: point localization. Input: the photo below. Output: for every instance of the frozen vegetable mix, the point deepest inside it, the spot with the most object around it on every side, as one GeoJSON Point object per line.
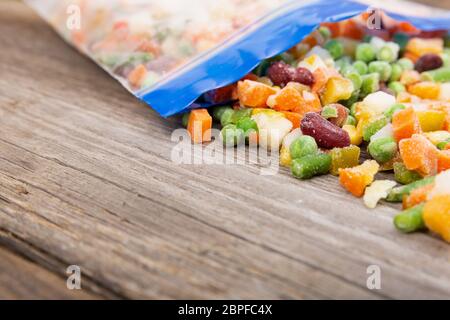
{"type": "Point", "coordinates": [313, 81]}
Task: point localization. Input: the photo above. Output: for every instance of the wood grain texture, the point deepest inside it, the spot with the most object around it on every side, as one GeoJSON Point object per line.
{"type": "Point", "coordinates": [86, 179]}
{"type": "Point", "coordinates": [21, 279]}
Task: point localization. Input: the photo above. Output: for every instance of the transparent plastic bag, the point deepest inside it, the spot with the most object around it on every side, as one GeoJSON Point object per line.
{"type": "Point", "coordinates": [168, 53]}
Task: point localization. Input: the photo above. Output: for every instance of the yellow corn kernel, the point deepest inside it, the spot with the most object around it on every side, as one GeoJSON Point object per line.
{"type": "Point", "coordinates": [355, 136]}
{"type": "Point", "coordinates": [431, 120]}
{"type": "Point", "coordinates": [285, 157]}
{"type": "Point", "coordinates": [425, 90]}
{"type": "Point", "coordinates": [267, 111]}
{"type": "Point", "coordinates": [337, 89]}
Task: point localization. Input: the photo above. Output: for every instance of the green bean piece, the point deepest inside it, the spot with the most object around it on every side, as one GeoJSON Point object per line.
{"type": "Point", "coordinates": [383, 68]}
{"type": "Point", "coordinates": [355, 77]}
{"type": "Point", "coordinates": [231, 135]}
{"type": "Point", "coordinates": [335, 48]}
{"type": "Point", "coordinates": [373, 127]}
{"type": "Point", "coordinates": [396, 194]}
{"type": "Point", "coordinates": [397, 87]}
{"type": "Point", "coordinates": [403, 175]}
{"type": "Point", "coordinates": [217, 112]}
{"type": "Point", "coordinates": [185, 119]}
{"type": "Point", "coordinates": [361, 67]}
{"type": "Point", "coordinates": [383, 150]}
{"type": "Point", "coordinates": [311, 165]}
{"type": "Point", "coordinates": [438, 75]}
{"type": "Point", "coordinates": [226, 117]}
{"type": "Point", "coordinates": [410, 220]}
{"type": "Point", "coordinates": [406, 64]}
{"type": "Point", "coordinates": [352, 100]}
{"type": "Point", "coordinates": [303, 146]}
{"type": "Point", "coordinates": [365, 52]}
{"type": "Point", "coordinates": [371, 84]}
{"type": "Point", "coordinates": [353, 109]}
{"type": "Point", "coordinates": [389, 113]}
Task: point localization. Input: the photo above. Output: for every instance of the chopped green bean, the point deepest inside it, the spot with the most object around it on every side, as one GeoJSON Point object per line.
{"type": "Point", "coordinates": [383, 150]}
{"type": "Point", "coordinates": [373, 127]}
{"type": "Point", "coordinates": [406, 64]}
{"type": "Point", "coordinates": [410, 220]}
{"type": "Point", "coordinates": [217, 112]}
{"type": "Point", "coordinates": [303, 146]}
{"type": "Point", "coordinates": [226, 117]}
{"type": "Point", "coordinates": [397, 87]}
{"type": "Point", "coordinates": [185, 119]}
{"type": "Point", "coordinates": [311, 165]}
{"type": "Point", "coordinates": [403, 175]}
{"type": "Point", "coordinates": [371, 84]}
{"type": "Point", "coordinates": [386, 54]}
{"type": "Point", "coordinates": [396, 194]}
{"type": "Point", "coordinates": [231, 135]}
{"type": "Point", "coordinates": [383, 68]}
{"type": "Point", "coordinates": [438, 75]}
{"type": "Point", "coordinates": [239, 114]}
{"type": "Point", "coordinates": [396, 73]}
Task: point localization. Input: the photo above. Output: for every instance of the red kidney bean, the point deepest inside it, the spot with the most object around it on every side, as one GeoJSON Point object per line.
{"type": "Point", "coordinates": [326, 134]}
{"type": "Point", "coordinates": [429, 61]}
{"type": "Point", "coordinates": [220, 95]}
{"type": "Point", "coordinates": [281, 74]}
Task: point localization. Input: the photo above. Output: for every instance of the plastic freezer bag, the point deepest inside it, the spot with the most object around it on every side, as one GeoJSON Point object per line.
{"type": "Point", "coordinates": [168, 53]}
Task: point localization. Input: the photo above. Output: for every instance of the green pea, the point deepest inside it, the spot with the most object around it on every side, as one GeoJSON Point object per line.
{"type": "Point", "coordinates": [410, 220]}
{"type": "Point", "coordinates": [227, 117]}
{"type": "Point", "coordinates": [438, 75]}
{"type": "Point", "coordinates": [311, 165]}
{"type": "Point", "coordinates": [185, 119]}
{"type": "Point", "coordinates": [397, 194]}
{"type": "Point", "coordinates": [247, 125]}
{"type": "Point", "coordinates": [240, 114]}
{"type": "Point", "coordinates": [303, 146]}
{"type": "Point", "coordinates": [383, 68]}
{"type": "Point", "coordinates": [393, 109]}
{"type": "Point", "coordinates": [370, 84]}
{"type": "Point", "coordinates": [397, 87]}
{"type": "Point", "coordinates": [383, 150]}
{"type": "Point", "coordinates": [365, 52]}
{"type": "Point", "coordinates": [361, 67]}
{"type": "Point", "coordinates": [325, 32]}
{"type": "Point", "coordinates": [406, 64]}
{"type": "Point", "coordinates": [403, 175]}
{"type": "Point", "coordinates": [355, 78]}
{"type": "Point", "coordinates": [217, 112]}
{"type": "Point", "coordinates": [231, 135]}
{"type": "Point", "coordinates": [335, 48]}
{"type": "Point", "coordinates": [350, 120]}
{"type": "Point", "coordinates": [396, 73]}
{"type": "Point", "coordinates": [373, 127]}
{"type": "Point", "coordinates": [386, 54]}
{"type": "Point", "coordinates": [343, 63]}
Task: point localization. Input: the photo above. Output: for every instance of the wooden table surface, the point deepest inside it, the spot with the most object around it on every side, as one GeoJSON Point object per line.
{"type": "Point", "coordinates": [86, 179]}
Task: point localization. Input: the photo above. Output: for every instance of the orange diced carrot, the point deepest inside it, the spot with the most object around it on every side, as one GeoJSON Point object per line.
{"type": "Point", "coordinates": [137, 76]}
{"type": "Point", "coordinates": [444, 159]}
{"type": "Point", "coordinates": [419, 154]}
{"type": "Point", "coordinates": [405, 123]}
{"type": "Point", "coordinates": [356, 179]}
{"type": "Point", "coordinates": [199, 126]}
{"type": "Point", "coordinates": [254, 94]}
{"type": "Point", "coordinates": [320, 80]}
{"type": "Point", "coordinates": [287, 99]}
{"type": "Point", "coordinates": [351, 29]}
{"type": "Point", "coordinates": [417, 196]}
{"type": "Point", "coordinates": [311, 103]}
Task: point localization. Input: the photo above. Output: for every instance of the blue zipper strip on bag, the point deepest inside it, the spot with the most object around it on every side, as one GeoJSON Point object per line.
{"type": "Point", "coordinates": [271, 35]}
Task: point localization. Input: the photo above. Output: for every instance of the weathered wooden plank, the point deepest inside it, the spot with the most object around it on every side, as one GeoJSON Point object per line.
{"type": "Point", "coordinates": [86, 178]}
{"type": "Point", "coordinates": [22, 279]}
